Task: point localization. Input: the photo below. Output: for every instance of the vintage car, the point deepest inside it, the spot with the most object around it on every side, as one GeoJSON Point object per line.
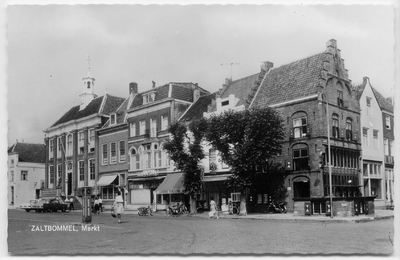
{"type": "Point", "coordinates": [36, 205]}
{"type": "Point", "coordinates": [54, 205]}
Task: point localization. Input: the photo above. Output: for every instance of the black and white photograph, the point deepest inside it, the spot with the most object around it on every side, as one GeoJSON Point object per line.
{"type": "Point", "coordinates": [220, 128]}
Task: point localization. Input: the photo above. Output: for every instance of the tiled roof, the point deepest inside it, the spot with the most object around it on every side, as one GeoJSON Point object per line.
{"type": "Point", "coordinates": [196, 110]}
{"type": "Point", "coordinates": [111, 104]}
{"type": "Point", "coordinates": [180, 90]}
{"type": "Point", "coordinates": [382, 101]}
{"type": "Point", "coordinates": [241, 88]}
{"type": "Point", "coordinates": [35, 153]}
{"type": "Point", "coordinates": [291, 81]}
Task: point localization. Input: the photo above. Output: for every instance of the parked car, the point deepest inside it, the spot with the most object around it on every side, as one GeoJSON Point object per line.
{"type": "Point", "coordinates": [55, 205]}
{"type": "Point", "coordinates": [36, 205]}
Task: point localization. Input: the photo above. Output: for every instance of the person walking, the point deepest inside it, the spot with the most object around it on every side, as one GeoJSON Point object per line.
{"type": "Point", "coordinates": [118, 206]}
{"type": "Point", "coordinates": [100, 205]}
{"type": "Point", "coordinates": [213, 209]}
{"type": "Point", "coordinates": [96, 205]}
{"type": "Point", "coordinates": [71, 204]}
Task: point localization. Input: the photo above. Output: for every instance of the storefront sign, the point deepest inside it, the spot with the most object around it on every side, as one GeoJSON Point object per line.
{"type": "Point", "coordinates": [148, 173]}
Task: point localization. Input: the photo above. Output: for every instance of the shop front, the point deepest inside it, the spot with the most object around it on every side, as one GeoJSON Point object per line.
{"type": "Point", "coordinates": [141, 190]}
{"type": "Point", "coordinates": [109, 185]}
{"type": "Point", "coordinates": [214, 187]}
{"type": "Point", "coordinates": [169, 191]}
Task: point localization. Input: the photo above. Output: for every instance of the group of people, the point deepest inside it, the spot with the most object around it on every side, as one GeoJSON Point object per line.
{"type": "Point", "coordinates": [98, 205]}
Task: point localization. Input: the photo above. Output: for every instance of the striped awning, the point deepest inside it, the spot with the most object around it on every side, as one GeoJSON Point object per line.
{"type": "Point", "coordinates": [172, 184]}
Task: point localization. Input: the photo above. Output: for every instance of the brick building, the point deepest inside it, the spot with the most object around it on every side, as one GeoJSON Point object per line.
{"type": "Point", "coordinates": [308, 93]}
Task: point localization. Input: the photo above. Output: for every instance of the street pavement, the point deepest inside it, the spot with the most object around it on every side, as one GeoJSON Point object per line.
{"type": "Point", "coordinates": [265, 234]}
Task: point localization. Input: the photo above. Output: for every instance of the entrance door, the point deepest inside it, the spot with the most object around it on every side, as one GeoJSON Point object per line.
{"type": "Point", "coordinates": [69, 186]}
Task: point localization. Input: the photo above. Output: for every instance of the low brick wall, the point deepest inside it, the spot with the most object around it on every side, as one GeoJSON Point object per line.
{"type": "Point", "coordinates": [299, 208]}
{"type": "Point", "coordinates": [343, 208]}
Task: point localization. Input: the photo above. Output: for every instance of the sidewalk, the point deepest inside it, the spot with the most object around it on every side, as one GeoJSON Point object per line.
{"type": "Point", "coordinates": [379, 215]}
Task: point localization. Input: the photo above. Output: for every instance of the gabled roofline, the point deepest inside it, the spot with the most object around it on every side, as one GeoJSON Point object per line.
{"type": "Point", "coordinates": [74, 121]}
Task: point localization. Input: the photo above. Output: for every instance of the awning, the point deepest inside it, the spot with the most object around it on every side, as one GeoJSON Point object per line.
{"type": "Point", "coordinates": [172, 184]}
{"type": "Point", "coordinates": [216, 178]}
{"type": "Point", "coordinates": [106, 180]}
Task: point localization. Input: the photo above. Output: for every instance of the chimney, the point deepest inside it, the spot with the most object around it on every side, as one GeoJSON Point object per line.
{"type": "Point", "coordinates": [196, 95]}
{"type": "Point", "coordinates": [365, 80]}
{"type": "Point", "coordinates": [331, 43]}
{"type": "Point", "coordinates": [154, 84]}
{"type": "Point", "coordinates": [133, 88]}
{"type": "Point", "coordinates": [267, 65]}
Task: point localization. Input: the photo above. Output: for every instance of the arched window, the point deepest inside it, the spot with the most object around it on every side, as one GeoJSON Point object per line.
{"type": "Point", "coordinates": [299, 120]}
{"type": "Point", "coordinates": [300, 157]}
{"type": "Point", "coordinates": [135, 159]}
{"type": "Point", "coordinates": [349, 129]}
{"type": "Point", "coordinates": [335, 125]}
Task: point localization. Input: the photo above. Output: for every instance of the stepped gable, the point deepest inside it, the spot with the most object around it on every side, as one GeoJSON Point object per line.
{"type": "Point", "coordinates": [382, 101]}
{"type": "Point", "coordinates": [241, 88]}
{"type": "Point", "coordinates": [94, 107]}
{"type": "Point", "coordinates": [291, 81]}
{"type": "Point", "coordinates": [27, 152]}
{"type": "Point", "coordinates": [196, 110]}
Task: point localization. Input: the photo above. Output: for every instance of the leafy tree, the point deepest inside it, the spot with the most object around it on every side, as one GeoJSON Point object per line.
{"type": "Point", "coordinates": [245, 141]}
{"type": "Point", "coordinates": [185, 149]}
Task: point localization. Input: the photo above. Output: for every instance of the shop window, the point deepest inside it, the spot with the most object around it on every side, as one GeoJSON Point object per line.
{"type": "Point", "coordinates": [376, 188]}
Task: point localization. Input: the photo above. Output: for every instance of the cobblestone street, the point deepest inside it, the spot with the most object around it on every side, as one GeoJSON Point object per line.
{"type": "Point", "coordinates": [160, 234]}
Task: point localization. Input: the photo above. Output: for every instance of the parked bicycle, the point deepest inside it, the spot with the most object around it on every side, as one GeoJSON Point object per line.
{"type": "Point", "coordinates": [142, 211]}
{"type": "Point", "coordinates": [177, 209]}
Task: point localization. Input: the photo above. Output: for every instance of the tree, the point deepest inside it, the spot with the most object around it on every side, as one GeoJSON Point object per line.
{"type": "Point", "coordinates": [246, 140]}
{"type": "Point", "coordinates": [185, 149]}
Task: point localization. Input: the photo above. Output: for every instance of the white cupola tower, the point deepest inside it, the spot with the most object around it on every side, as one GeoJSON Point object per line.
{"type": "Point", "coordinates": [88, 88]}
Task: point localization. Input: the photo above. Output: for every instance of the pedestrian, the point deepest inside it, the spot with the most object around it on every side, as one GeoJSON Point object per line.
{"type": "Point", "coordinates": [71, 204]}
{"type": "Point", "coordinates": [96, 205]}
{"type": "Point", "coordinates": [213, 209]}
{"type": "Point", "coordinates": [100, 205]}
{"type": "Point", "coordinates": [67, 201]}
{"type": "Point", "coordinates": [118, 206]}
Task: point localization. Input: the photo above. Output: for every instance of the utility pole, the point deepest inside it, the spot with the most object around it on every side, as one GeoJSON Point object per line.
{"type": "Point", "coordinates": [230, 64]}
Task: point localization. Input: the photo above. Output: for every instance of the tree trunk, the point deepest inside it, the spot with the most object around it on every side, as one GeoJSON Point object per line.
{"type": "Point", "coordinates": [243, 209]}
{"type": "Point", "coordinates": [193, 204]}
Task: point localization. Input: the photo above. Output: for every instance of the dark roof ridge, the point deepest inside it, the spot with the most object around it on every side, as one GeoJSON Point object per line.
{"type": "Point", "coordinates": [289, 63]}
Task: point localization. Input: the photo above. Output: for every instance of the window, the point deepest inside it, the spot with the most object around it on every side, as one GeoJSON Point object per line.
{"type": "Point", "coordinates": [113, 152]}
{"type": "Point", "coordinates": [391, 151]}
{"type": "Point", "coordinates": [149, 97]}
{"type": "Point", "coordinates": [91, 169]}
{"type": "Point", "coordinates": [300, 127]}
{"type": "Point", "coordinates": [69, 145]}
{"type": "Point", "coordinates": [51, 174]}
{"type": "Point", "coordinates": [51, 147]}
{"type": "Point", "coordinates": [146, 164]}
{"type": "Point", "coordinates": [225, 103]}
{"type": "Point", "coordinates": [59, 172]}
{"type": "Point", "coordinates": [369, 112]}
{"type": "Point", "coordinates": [388, 125]}
{"type": "Point", "coordinates": [105, 155]}
{"type": "Point", "coordinates": [122, 151]}
{"type": "Point", "coordinates": [81, 140]}
{"type": "Point", "coordinates": [11, 176]}
{"type": "Point", "coordinates": [142, 127]}
{"type": "Point", "coordinates": [156, 156]}
{"type": "Point", "coordinates": [81, 167]}
{"type": "Point", "coordinates": [113, 119]}
{"type": "Point", "coordinates": [376, 140]}
{"type": "Point", "coordinates": [349, 129]}
{"type": "Point", "coordinates": [59, 147]}
{"type": "Point", "coordinates": [300, 159]}
{"type": "Point", "coordinates": [340, 98]}
{"type": "Point", "coordinates": [132, 127]}
{"type": "Point", "coordinates": [153, 127]}
{"type": "Point", "coordinates": [365, 136]}
{"type": "Point", "coordinates": [335, 125]}
{"type": "Point", "coordinates": [386, 146]}
{"type": "Point", "coordinates": [24, 175]}
{"type": "Point", "coordinates": [91, 140]}
{"type": "Point", "coordinates": [164, 122]}
{"type": "Point", "coordinates": [135, 160]}
{"type": "Point", "coordinates": [12, 162]}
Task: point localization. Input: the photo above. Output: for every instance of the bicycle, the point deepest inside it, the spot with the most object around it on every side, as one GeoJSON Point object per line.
{"type": "Point", "coordinates": [235, 210]}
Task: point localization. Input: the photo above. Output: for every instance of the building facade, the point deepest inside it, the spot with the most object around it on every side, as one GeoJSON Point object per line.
{"type": "Point", "coordinates": [72, 143]}
{"type": "Point", "coordinates": [148, 118]}
{"type": "Point", "coordinates": [26, 172]}
{"type": "Point", "coordinates": [318, 105]}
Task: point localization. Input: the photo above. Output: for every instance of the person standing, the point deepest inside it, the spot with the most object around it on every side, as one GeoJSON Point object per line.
{"type": "Point", "coordinates": [100, 205]}
{"type": "Point", "coordinates": [118, 206]}
{"type": "Point", "coordinates": [71, 204]}
{"type": "Point", "coordinates": [213, 209]}
{"type": "Point", "coordinates": [96, 205]}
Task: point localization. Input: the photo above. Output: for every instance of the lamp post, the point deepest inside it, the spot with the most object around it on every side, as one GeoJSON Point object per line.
{"type": "Point", "coordinates": [329, 156]}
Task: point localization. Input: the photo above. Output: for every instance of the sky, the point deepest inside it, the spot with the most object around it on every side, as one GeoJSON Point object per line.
{"type": "Point", "coordinates": [48, 47]}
